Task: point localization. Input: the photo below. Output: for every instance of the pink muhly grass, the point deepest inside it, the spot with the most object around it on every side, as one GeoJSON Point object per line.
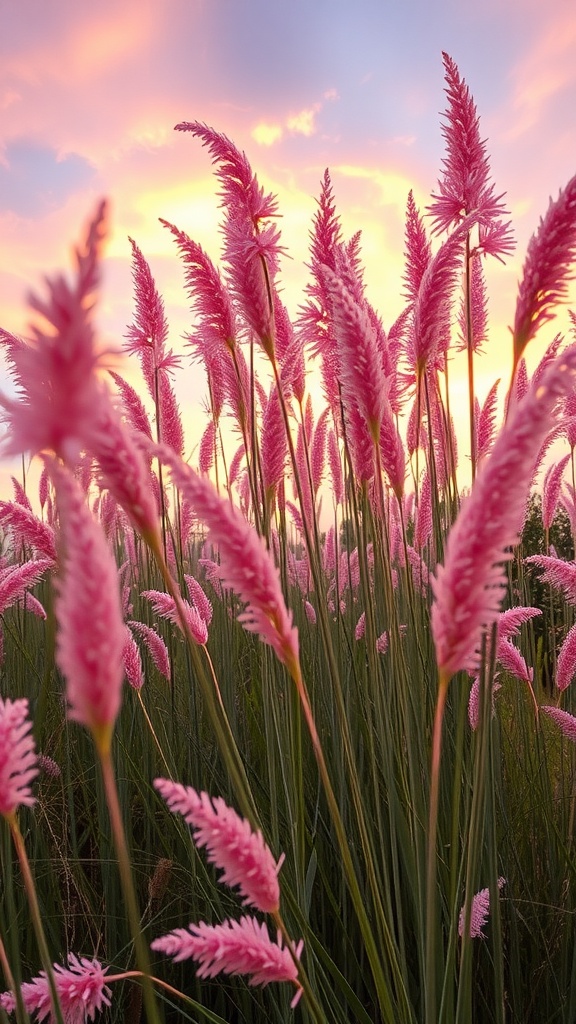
{"type": "Point", "coordinates": [230, 843]}
{"type": "Point", "coordinates": [246, 565]}
{"type": "Point", "coordinates": [233, 947]}
{"type": "Point", "coordinates": [485, 426]}
{"type": "Point", "coordinates": [511, 659]}
{"type": "Point", "coordinates": [133, 405]}
{"type": "Point", "coordinates": [559, 574]}
{"type": "Point", "coordinates": [465, 183]}
{"type": "Point", "coordinates": [511, 620]}
{"type": "Point", "coordinates": [198, 597]}
{"type": "Point", "coordinates": [171, 429]}
{"type": "Point", "coordinates": [166, 606]}
{"type": "Point", "coordinates": [81, 988]}
{"type": "Point", "coordinates": [132, 662]}
{"type": "Point", "coordinates": [155, 646]}
{"type": "Point", "coordinates": [27, 528]}
{"type": "Point", "coordinates": [479, 913]}
{"type": "Point", "coordinates": [551, 491]}
{"type": "Point", "coordinates": [124, 470]}
{"type": "Point", "coordinates": [91, 633]}
{"type": "Point", "coordinates": [566, 664]}
{"type": "Point", "coordinates": [565, 722]}
{"type": "Point", "coordinates": [430, 329]}
{"type": "Point", "coordinates": [478, 310]}
{"type": "Point", "coordinates": [60, 392]}
{"type": "Point", "coordinates": [361, 372]}
{"type": "Point", "coordinates": [18, 761]}
{"type": "Point", "coordinates": [15, 580]}
{"type": "Point", "coordinates": [335, 463]}
{"type": "Point", "coordinates": [418, 251]}
{"type": "Point", "coordinates": [207, 449]}
{"type": "Point", "coordinates": [20, 496]}
{"type": "Point", "coordinates": [423, 516]}
{"type": "Point", "coordinates": [468, 588]}
{"type": "Point", "coordinates": [148, 333]}
{"type": "Point", "coordinates": [273, 444]}
{"type": "Point", "coordinates": [474, 701]}
{"type": "Point", "coordinates": [547, 268]}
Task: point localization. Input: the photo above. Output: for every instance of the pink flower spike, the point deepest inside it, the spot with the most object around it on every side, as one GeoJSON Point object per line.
{"type": "Point", "coordinates": [60, 391]}
{"type": "Point", "coordinates": [547, 268]}
{"type": "Point", "coordinates": [565, 722]}
{"type": "Point", "coordinates": [230, 842]}
{"type": "Point", "coordinates": [566, 665]}
{"type": "Point", "coordinates": [246, 564]}
{"type": "Point", "coordinates": [479, 912]}
{"type": "Point", "coordinates": [165, 606]}
{"type": "Point", "coordinates": [91, 632]}
{"type": "Point", "coordinates": [18, 762]}
{"type": "Point", "coordinates": [468, 588]}
{"type": "Point", "coordinates": [81, 988]}
{"type": "Point", "coordinates": [233, 947]}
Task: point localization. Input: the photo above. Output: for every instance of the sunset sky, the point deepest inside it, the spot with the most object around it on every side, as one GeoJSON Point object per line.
{"type": "Point", "coordinates": [90, 93]}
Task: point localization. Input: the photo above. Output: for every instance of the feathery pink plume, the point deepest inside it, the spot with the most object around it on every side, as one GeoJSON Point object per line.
{"type": "Point", "coordinates": [486, 423]}
{"type": "Point", "coordinates": [230, 844]}
{"type": "Point", "coordinates": [551, 491]}
{"type": "Point", "coordinates": [273, 444]}
{"type": "Point", "coordinates": [479, 912]}
{"type": "Point", "coordinates": [465, 184]}
{"type": "Point", "coordinates": [510, 621]}
{"type": "Point", "coordinates": [81, 988]}
{"type": "Point", "coordinates": [133, 405]}
{"type": "Point", "coordinates": [246, 565]}
{"type": "Point", "coordinates": [566, 665]}
{"type": "Point", "coordinates": [430, 332]}
{"type": "Point", "coordinates": [165, 606]}
{"type": "Point", "coordinates": [132, 662]}
{"type": "Point", "coordinates": [27, 528]}
{"type": "Point", "coordinates": [423, 517]}
{"type": "Point", "coordinates": [558, 573]}
{"type": "Point", "coordinates": [18, 761]}
{"type": "Point", "coordinates": [20, 496]}
{"type": "Point", "coordinates": [155, 645]}
{"type": "Point", "coordinates": [56, 370]}
{"type": "Point", "coordinates": [91, 632]}
{"type": "Point", "coordinates": [335, 464]}
{"type": "Point", "coordinates": [565, 722]}
{"type": "Point", "coordinates": [198, 597]}
{"type": "Point", "coordinates": [418, 251]}
{"type": "Point", "coordinates": [478, 310]}
{"type": "Point", "coordinates": [207, 448]}
{"type": "Point", "coordinates": [474, 701]}
{"type": "Point", "coordinates": [233, 947]}
{"type": "Point", "coordinates": [511, 659]}
{"type": "Point", "coordinates": [547, 268]}
{"type": "Point", "coordinates": [16, 579]}
{"type": "Point", "coordinates": [148, 334]}
{"type": "Point", "coordinates": [469, 586]}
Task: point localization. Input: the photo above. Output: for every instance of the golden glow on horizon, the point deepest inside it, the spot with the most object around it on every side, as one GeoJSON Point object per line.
{"type": "Point", "coordinates": [266, 134]}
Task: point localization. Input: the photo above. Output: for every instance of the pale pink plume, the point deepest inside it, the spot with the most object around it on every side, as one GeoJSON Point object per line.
{"type": "Point", "coordinates": [165, 606]}
{"type": "Point", "coordinates": [60, 390]}
{"type": "Point", "coordinates": [18, 761]}
{"type": "Point", "coordinates": [465, 184]}
{"type": "Point", "coordinates": [246, 565]}
{"type": "Point", "coordinates": [423, 516]}
{"type": "Point", "coordinates": [15, 580]}
{"type": "Point", "coordinates": [171, 428]}
{"type": "Point", "coordinates": [512, 660]}
{"type": "Point", "coordinates": [133, 405]}
{"type": "Point", "coordinates": [81, 988]}
{"type": "Point", "coordinates": [547, 268]}
{"type": "Point", "coordinates": [230, 843]}
{"type": "Point", "coordinates": [557, 572]}
{"type": "Point", "coordinates": [91, 633]}
{"type": "Point", "coordinates": [565, 722]}
{"type": "Point", "coordinates": [26, 528]}
{"type": "Point", "coordinates": [511, 620]}
{"type": "Point", "coordinates": [132, 662]}
{"type": "Point", "coordinates": [469, 586]}
{"type": "Point", "coordinates": [198, 597]}
{"type": "Point", "coordinates": [551, 491]}
{"type": "Point", "coordinates": [479, 912]}
{"type": "Point", "coordinates": [233, 947]}
{"type": "Point", "coordinates": [566, 664]}
{"type": "Point", "coordinates": [148, 333]}
{"type": "Point", "coordinates": [155, 646]}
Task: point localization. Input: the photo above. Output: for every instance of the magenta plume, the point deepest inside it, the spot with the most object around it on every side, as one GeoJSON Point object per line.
{"type": "Point", "coordinates": [559, 574]}
{"type": "Point", "coordinates": [418, 251]}
{"type": "Point", "coordinates": [551, 491]}
{"type": "Point", "coordinates": [465, 184]}
{"type": "Point", "coordinates": [81, 988]}
{"type": "Point", "coordinates": [26, 528]}
{"type": "Point", "coordinates": [566, 665]}
{"type": "Point", "coordinates": [479, 913]}
{"type": "Point", "coordinates": [565, 722]}
{"type": "Point", "coordinates": [246, 564]}
{"type": "Point", "coordinates": [18, 761]}
{"type": "Point", "coordinates": [154, 645]}
{"type": "Point", "coordinates": [486, 424]}
{"type": "Point", "coordinates": [233, 947]}
{"type": "Point", "coordinates": [91, 632]}
{"type": "Point", "coordinates": [230, 843]}
{"type": "Point", "coordinates": [547, 268]}
{"type": "Point", "coordinates": [468, 588]}
{"type": "Point", "coordinates": [133, 406]}
{"type": "Point", "coordinates": [60, 391]}
{"type": "Point", "coordinates": [148, 334]}
{"type": "Point", "coordinates": [165, 606]}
